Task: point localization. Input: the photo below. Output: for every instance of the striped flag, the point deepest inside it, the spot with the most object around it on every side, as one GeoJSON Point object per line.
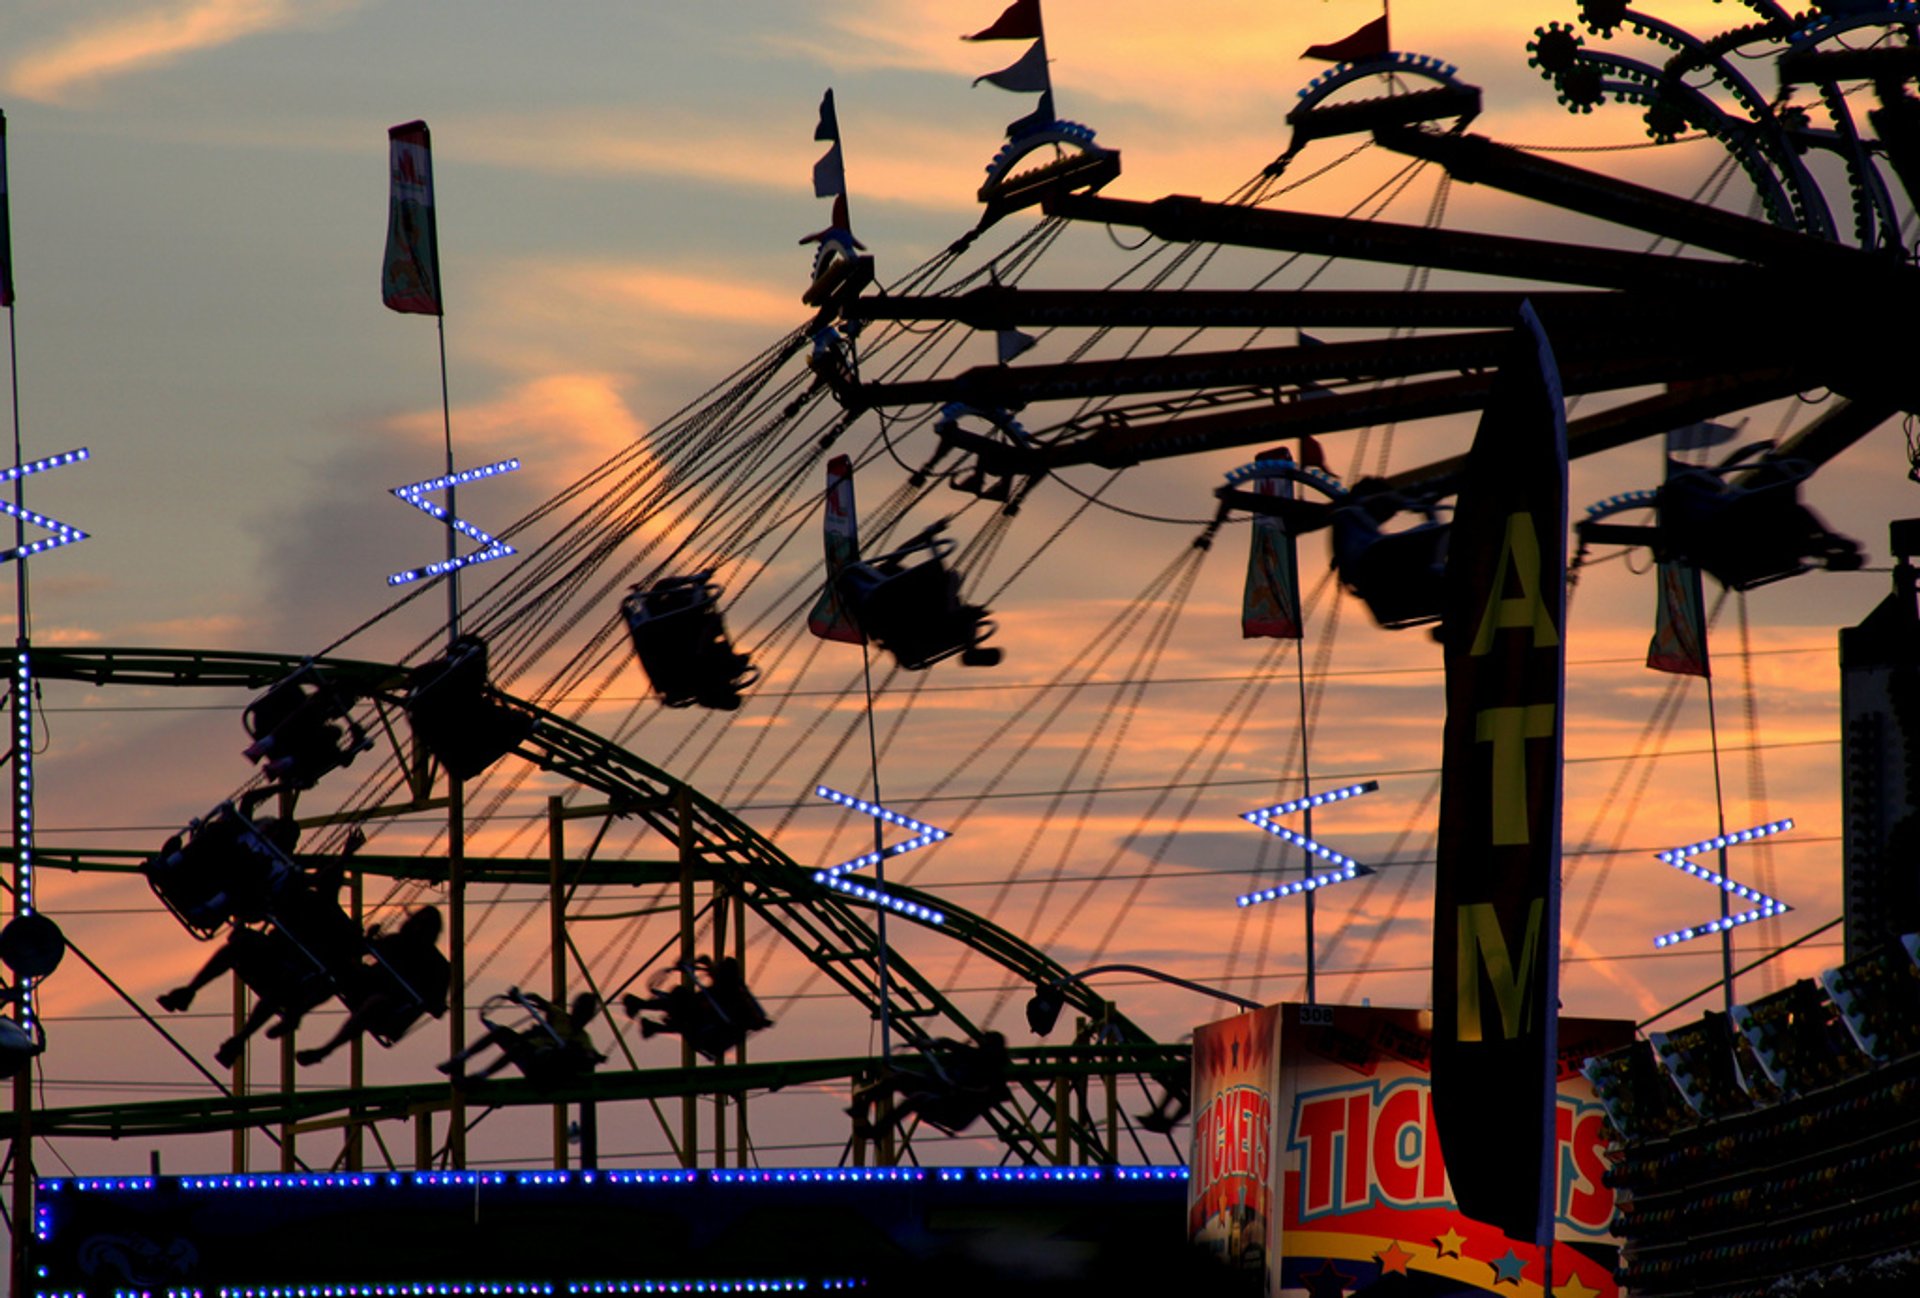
{"type": "Point", "coordinates": [410, 275]}
{"type": "Point", "coordinates": [6, 224]}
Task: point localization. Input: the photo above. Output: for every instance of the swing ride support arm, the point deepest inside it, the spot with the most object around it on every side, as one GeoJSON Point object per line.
{"type": "Point", "coordinates": [1477, 160]}
{"type": "Point", "coordinates": [1000, 306]}
{"type": "Point", "coordinates": [1181, 218]}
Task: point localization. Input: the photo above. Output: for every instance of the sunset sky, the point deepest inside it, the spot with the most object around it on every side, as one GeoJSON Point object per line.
{"type": "Point", "coordinates": [198, 201]}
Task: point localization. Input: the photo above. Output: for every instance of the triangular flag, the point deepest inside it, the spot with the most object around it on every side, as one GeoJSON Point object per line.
{"type": "Point", "coordinates": [1370, 42]}
{"type": "Point", "coordinates": [1037, 120]}
{"type": "Point", "coordinates": [841, 230]}
{"type": "Point", "coordinates": [829, 127]}
{"type": "Point", "coordinates": [1021, 22]}
{"type": "Point", "coordinates": [1026, 75]}
{"type": "Point", "coordinates": [1012, 342]}
{"type": "Point", "coordinates": [830, 175]}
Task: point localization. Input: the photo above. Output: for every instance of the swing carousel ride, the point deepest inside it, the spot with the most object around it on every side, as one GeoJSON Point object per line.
{"type": "Point", "coordinates": [733, 860]}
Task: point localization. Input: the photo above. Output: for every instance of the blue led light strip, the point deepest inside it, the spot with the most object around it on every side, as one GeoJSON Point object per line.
{"type": "Point", "coordinates": [51, 1189]}
{"type": "Point", "coordinates": [63, 533]}
{"type": "Point", "coordinates": [925, 835]}
{"type": "Point", "coordinates": [491, 547]}
{"type": "Point", "coordinates": [1344, 866]}
{"type": "Point", "coordinates": [1764, 907]}
{"type": "Point", "coordinates": [23, 809]}
{"type": "Point", "coordinates": [886, 900]}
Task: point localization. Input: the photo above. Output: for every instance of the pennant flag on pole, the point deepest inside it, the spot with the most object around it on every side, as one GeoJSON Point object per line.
{"type": "Point", "coordinates": [1021, 22]}
{"type": "Point", "coordinates": [1496, 923]}
{"type": "Point", "coordinates": [1679, 643]}
{"type": "Point", "coordinates": [829, 619]}
{"type": "Point", "coordinates": [1025, 75]}
{"type": "Point", "coordinates": [1370, 42]}
{"type": "Point", "coordinates": [6, 224]}
{"type": "Point", "coordinates": [410, 276]}
{"type": "Point", "coordinates": [1271, 604]}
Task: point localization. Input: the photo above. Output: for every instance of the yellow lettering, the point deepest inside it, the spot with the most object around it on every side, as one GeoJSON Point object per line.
{"type": "Point", "coordinates": [1484, 947]}
{"type": "Point", "coordinates": [1520, 554]}
{"type": "Point", "coordinates": [1508, 729]}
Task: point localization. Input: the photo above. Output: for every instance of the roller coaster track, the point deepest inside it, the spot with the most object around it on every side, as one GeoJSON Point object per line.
{"type": "Point", "coordinates": [827, 927]}
{"type": "Point", "coordinates": [1032, 1066]}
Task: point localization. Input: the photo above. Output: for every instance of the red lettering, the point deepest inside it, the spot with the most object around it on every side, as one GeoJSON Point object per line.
{"type": "Point", "coordinates": [1318, 1127]}
{"type": "Point", "coordinates": [1591, 1201]}
{"type": "Point", "coordinates": [1355, 1190]}
{"type": "Point", "coordinates": [1398, 1179]}
{"type": "Point", "coordinates": [1433, 1182]}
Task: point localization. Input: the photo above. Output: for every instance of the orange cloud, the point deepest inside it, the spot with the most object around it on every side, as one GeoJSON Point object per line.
{"type": "Point", "coordinates": [153, 37]}
{"type": "Point", "coordinates": [563, 423]}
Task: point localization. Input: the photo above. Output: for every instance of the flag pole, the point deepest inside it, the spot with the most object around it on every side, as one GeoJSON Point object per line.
{"type": "Point", "coordinates": [1306, 791]}
{"type": "Point", "coordinates": [22, 694]}
{"type": "Point", "coordinates": [456, 805]}
{"type": "Point", "coordinates": [22, 881]}
{"type": "Point", "coordinates": [1720, 812]}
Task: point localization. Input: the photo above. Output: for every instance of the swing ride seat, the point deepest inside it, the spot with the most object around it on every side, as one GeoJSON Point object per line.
{"type": "Point", "coordinates": [912, 607]}
{"type": "Point", "coordinates": [19, 1047]}
{"type": "Point", "coordinates": [297, 731]}
{"type": "Point", "coordinates": [402, 985]}
{"type": "Point", "coordinates": [681, 641]}
{"type": "Point", "coordinates": [1749, 534]}
{"type": "Point", "coordinates": [1398, 575]}
{"type": "Point", "coordinates": [457, 716]}
{"type": "Point", "coordinates": [714, 1016]}
{"type": "Point", "coordinates": [225, 868]}
{"type": "Point", "coordinates": [544, 1057]}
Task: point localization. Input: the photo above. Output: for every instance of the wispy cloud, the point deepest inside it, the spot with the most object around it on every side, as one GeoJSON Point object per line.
{"type": "Point", "coordinates": [88, 55]}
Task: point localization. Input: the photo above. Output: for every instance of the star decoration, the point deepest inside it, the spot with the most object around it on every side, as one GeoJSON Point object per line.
{"type": "Point", "coordinates": [1345, 867]}
{"type": "Point", "coordinates": [63, 534]}
{"type": "Point", "coordinates": [491, 547]}
{"type": "Point", "coordinates": [1764, 907]}
{"type": "Point", "coordinates": [1573, 1287]}
{"type": "Point", "coordinates": [1448, 1245]}
{"type": "Point", "coordinates": [1506, 1270]}
{"type": "Point", "coordinates": [1327, 1282]}
{"type": "Point", "coordinates": [1393, 1259]}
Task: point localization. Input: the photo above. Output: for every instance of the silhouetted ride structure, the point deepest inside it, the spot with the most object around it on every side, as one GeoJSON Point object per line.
{"type": "Point", "coordinates": [695, 527]}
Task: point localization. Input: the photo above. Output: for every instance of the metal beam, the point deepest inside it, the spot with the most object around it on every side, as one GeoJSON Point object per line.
{"type": "Point", "coordinates": [999, 306]}
{"type": "Point", "coordinates": [377, 1103]}
{"type": "Point", "coordinates": [1180, 218]}
{"type": "Point", "coordinates": [1475, 159]}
